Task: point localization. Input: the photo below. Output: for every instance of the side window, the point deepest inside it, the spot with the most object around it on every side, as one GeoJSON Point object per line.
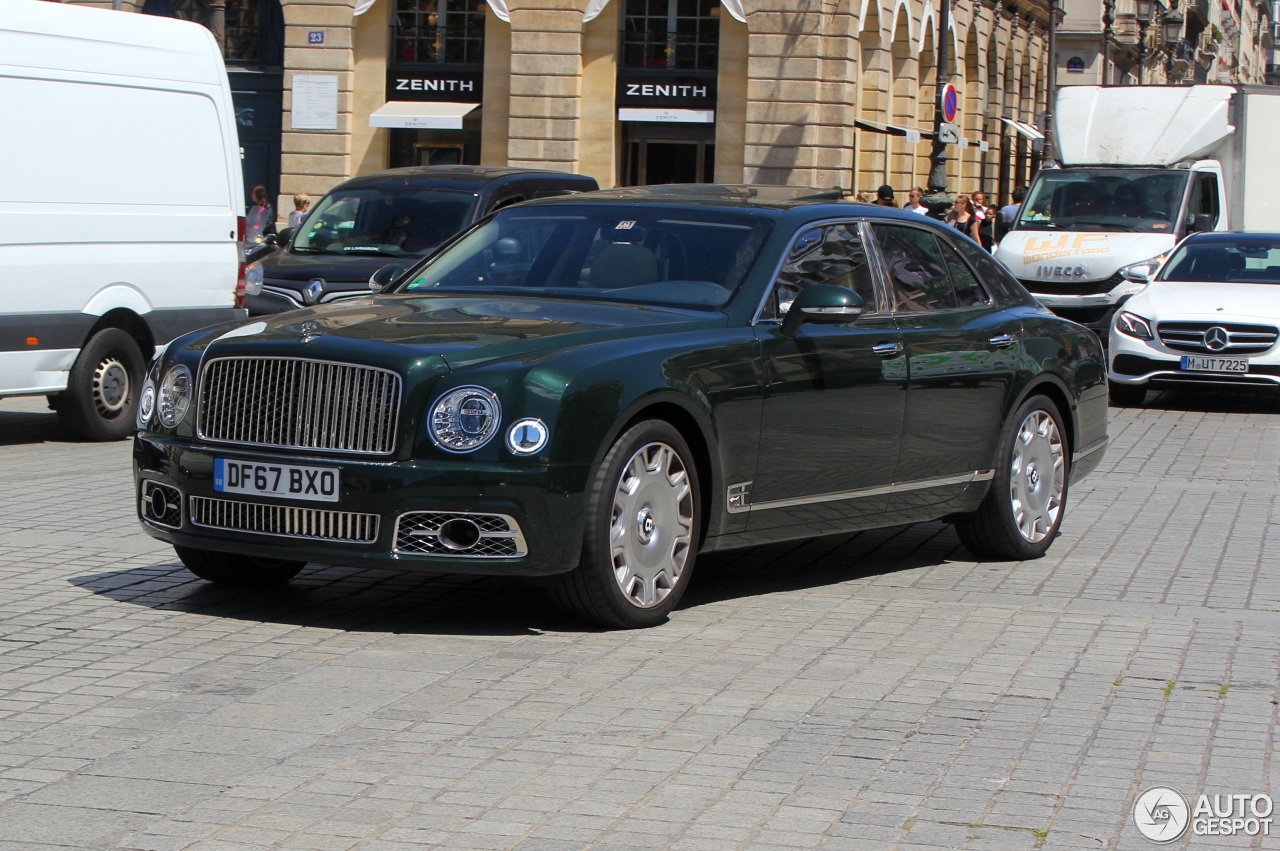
{"type": "Point", "coordinates": [1204, 198]}
{"type": "Point", "coordinates": [918, 278]}
{"type": "Point", "coordinates": [969, 290]}
{"type": "Point", "coordinates": [830, 254]}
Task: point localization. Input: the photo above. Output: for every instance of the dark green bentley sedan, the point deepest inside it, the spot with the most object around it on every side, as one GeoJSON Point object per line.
{"type": "Point", "coordinates": [595, 389]}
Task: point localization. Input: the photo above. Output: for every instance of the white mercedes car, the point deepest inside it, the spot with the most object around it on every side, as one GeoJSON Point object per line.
{"type": "Point", "coordinates": [1209, 316]}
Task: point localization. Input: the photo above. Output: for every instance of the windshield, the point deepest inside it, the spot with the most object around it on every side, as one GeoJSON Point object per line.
{"type": "Point", "coordinates": [1238, 258]}
{"type": "Point", "coordinates": [395, 221]}
{"type": "Point", "coordinates": [644, 255]}
{"type": "Point", "coordinates": [1083, 199]}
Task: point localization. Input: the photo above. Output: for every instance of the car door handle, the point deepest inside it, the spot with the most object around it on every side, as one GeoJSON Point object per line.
{"type": "Point", "coordinates": [1003, 341]}
{"type": "Point", "coordinates": [887, 350]}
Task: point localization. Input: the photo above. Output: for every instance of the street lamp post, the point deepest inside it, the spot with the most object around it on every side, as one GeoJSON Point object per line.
{"type": "Point", "coordinates": [1051, 83]}
{"type": "Point", "coordinates": [937, 199]}
{"type": "Point", "coordinates": [1108, 18]}
{"type": "Point", "coordinates": [1144, 21]}
{"type": "Point", "coordinates": [1172, 39]}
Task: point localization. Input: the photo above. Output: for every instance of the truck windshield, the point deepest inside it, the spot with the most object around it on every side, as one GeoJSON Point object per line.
{"type": "Point", "coordinates": [396, 221]}
{"type": "Point", "coordinates": [1104, 199]}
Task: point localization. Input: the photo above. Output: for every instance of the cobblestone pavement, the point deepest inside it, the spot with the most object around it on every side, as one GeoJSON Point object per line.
{"type": "Point", "coordinates": [876, 691]}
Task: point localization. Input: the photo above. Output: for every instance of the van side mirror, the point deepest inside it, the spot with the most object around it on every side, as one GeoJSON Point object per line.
{"type": "Point", "coordinates": [823, 303]}
{"type": "Point", "coordinates": [385, 277]}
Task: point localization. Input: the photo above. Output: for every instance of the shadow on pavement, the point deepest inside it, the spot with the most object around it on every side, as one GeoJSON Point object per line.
{"type": "Point", "coordinates": [28, 425]}
{"type": "Point", "coordinates": [1214, 400]}
{"type": "Point", "coordinates": [413, 603]}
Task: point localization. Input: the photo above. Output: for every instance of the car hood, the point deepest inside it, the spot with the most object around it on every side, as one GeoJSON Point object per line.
{"type": "Point", "coordinates": [1058, 257]}
{"type": "Point", "coordinates": [1208, 302]}
{"type": "Point", "coordinates": [286, 266]}
{"type": "Point", "coordinates": [464, 330]}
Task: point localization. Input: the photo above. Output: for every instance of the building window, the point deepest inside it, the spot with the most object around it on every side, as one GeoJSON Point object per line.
{"type": "Point", "coordinates": [674, 34]}
{"type": "Point", "coordinates": [450, 31]}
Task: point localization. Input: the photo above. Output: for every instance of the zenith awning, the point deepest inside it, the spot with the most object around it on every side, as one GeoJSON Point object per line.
{"type": "Point", "coordinates": [667, 116]}
{"type": "Point", "coordinates": [1024, 129]}
{"type": "Point", "coordinates": [422, 115]}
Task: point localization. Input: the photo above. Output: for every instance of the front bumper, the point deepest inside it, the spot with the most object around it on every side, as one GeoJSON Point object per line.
{"type": "Point", "coordinates": [382, 519]}
{"type": "Point", "coordinates": [1141, 363]}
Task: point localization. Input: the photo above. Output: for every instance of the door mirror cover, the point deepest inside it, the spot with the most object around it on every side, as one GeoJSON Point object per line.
{"type": "Point", "coordinates": [824, 303]}
{"type": "Point", "coordinates": [384, 277]}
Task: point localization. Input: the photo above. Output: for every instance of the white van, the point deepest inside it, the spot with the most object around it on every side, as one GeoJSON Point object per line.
{"type": "Point", "coordinates": [121, 203]}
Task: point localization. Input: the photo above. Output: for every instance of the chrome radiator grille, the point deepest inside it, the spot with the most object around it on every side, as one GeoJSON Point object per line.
{"type": "Point", "coordinates": [285, 520]}
{"type": "Point", "coordinates": [1231, 338]}
{"type": "Point", "coordinates": [299, 404]}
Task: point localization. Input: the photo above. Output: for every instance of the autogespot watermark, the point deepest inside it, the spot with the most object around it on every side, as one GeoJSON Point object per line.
{"type": "Point", "coordinates": [1162, 814]}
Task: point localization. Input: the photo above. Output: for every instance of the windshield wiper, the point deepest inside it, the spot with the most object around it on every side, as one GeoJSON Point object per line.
{"type": "Point", "coordinates": [1103, 225]}
{"type": "Point", "coordinates": [301, 250]}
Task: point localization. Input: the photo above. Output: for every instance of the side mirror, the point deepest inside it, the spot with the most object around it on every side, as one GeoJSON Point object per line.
{"type": "Point", "coordinates": [385, 277]}
{"type": "Point", "coordinates": [1200, 222]}
{"type": "Point", "coordinates": [285, 234]}
{"type": "Point", "coordinates": [824, 303]}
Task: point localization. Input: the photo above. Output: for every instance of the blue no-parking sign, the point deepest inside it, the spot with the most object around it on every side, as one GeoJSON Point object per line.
{"type": "Point", "coordinates": [950, 103]}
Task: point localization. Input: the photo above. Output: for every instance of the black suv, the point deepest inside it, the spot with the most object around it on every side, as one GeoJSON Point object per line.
{"type": "Point", "coordinates": [391, 216]}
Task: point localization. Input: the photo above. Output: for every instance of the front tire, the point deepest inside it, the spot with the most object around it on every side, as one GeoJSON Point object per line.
{"type": "Point", "coordinates": [1126, 395]}
{"type": "Point", "coordinates": [1020, 515]}
{"type": "Point", "coordinates": [101, 399]}
{"type": "Point", "coordinates": [641, 538]}
{"type": "Point", "coordinates": [241, 571]}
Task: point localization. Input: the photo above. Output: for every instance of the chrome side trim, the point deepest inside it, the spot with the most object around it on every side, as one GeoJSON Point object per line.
{"type": "Point", "coordinates": [880, 490]}
{"type": "Point", "coordinates": [1096, 446]}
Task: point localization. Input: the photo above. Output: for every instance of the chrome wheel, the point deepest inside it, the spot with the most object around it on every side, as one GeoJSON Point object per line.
{"type": "Point", "coordinates": [1037, 480]}
{"type": "Point", "coordinates": [111, 388]}
{"type": "Point", "coordinates": [651, 525]}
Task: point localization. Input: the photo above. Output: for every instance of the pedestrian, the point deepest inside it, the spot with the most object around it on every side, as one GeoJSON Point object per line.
{"type": "Point", "coordinates": [1009, 212]}
{"type": "Point", "coordinates": [986, 218]}
{"type": "Point", "coordinates": [913, 201]}
{"type": "Point", "coordinates": [884, 196]}
{"type": "Point", "coordinates": [301, 203]}
{"type": "Point", "coordinates": [961, 217]}
{"type": "Point", "coordinates": [260, 220]}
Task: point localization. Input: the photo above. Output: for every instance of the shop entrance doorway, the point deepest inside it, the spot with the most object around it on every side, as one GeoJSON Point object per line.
{"type": "Point", "coordinates": [669, 155]}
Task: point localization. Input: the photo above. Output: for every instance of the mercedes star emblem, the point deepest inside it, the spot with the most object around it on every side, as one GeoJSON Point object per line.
{"type": "Point", "coordinates": [1216, 338]}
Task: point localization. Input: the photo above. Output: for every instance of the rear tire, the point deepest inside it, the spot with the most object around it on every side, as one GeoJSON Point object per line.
{"type": "Point", "coordinates": [1126, 395]}
{"type": "Point", "coordinates": [241, 571]}
{"type": "Point", "coordinates": [1020, 515]}
{"type": "Point", "coordinates": [101, 399]}
{"type": "Point", "coordinates": [641, 537]}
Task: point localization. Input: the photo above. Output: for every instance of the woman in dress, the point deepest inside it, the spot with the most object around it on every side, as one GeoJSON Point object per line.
{"type": "Point", "coordinates": [961, 217]}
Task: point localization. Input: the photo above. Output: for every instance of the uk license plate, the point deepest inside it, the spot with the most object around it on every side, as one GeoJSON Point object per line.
{"type": "Point", "coordinates": [285, 481]}
{"type": "Point", "coordinates": [1212, 363]}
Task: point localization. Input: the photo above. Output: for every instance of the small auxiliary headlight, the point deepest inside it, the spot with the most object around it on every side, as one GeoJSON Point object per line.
{"type": "Point", "coordinates": [527, 436]}
{"type": "Point", "coordinates": [146, 403]}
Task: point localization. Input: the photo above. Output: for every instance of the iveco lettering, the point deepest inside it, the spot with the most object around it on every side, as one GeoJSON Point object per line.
{"type": "Point", "coordinates": [596, 389]}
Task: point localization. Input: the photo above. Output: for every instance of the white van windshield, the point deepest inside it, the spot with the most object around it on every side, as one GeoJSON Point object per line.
{"type": "Point", "coordinates": [1104, 199]}
{"type": "Point", "coordinates": [396, 221]}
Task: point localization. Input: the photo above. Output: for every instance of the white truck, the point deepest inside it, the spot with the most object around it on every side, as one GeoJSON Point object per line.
{"type": "Point", "coordinates": [1139, 168]}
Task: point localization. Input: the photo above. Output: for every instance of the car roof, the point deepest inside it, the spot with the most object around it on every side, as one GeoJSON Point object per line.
{"type": "Point", "coordinates": [761, 199]}
{"type": "Point", "coordinates": [1234, 237]}
{"type": "Point", "coordinates": [463, 177]}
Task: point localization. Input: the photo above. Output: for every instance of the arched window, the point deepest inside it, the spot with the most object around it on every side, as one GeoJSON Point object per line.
{"type": "Point", "coordinates": [446, 31]}
{"type": "Point", "coordinates": [679, 35]}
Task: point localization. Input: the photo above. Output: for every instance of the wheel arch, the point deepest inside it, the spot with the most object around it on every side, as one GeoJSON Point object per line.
{"type": "Point", "coordinates": [132, 324]}
{"type": "Point", "coordinates": [694, 427]}
{"type": "Point", "coordinates": [1051, 387]}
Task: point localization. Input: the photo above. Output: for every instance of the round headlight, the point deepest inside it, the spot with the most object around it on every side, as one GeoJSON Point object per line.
{"type": "Point", "coordinates": [253, 279]}
{"type": "Point", "coordinates": [465, 419]}
{"type": "Point", "coordinates": [174, 397]}
{"type": "Point", "coordinates": [146, 403]}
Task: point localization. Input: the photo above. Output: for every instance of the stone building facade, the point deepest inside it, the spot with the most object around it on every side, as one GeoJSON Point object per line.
{"type": "Point", "coordinates": [817, 93]}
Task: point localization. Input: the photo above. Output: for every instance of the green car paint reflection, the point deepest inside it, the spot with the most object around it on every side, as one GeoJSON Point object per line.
{"type": "Point", "coordinates": [703, 369]}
